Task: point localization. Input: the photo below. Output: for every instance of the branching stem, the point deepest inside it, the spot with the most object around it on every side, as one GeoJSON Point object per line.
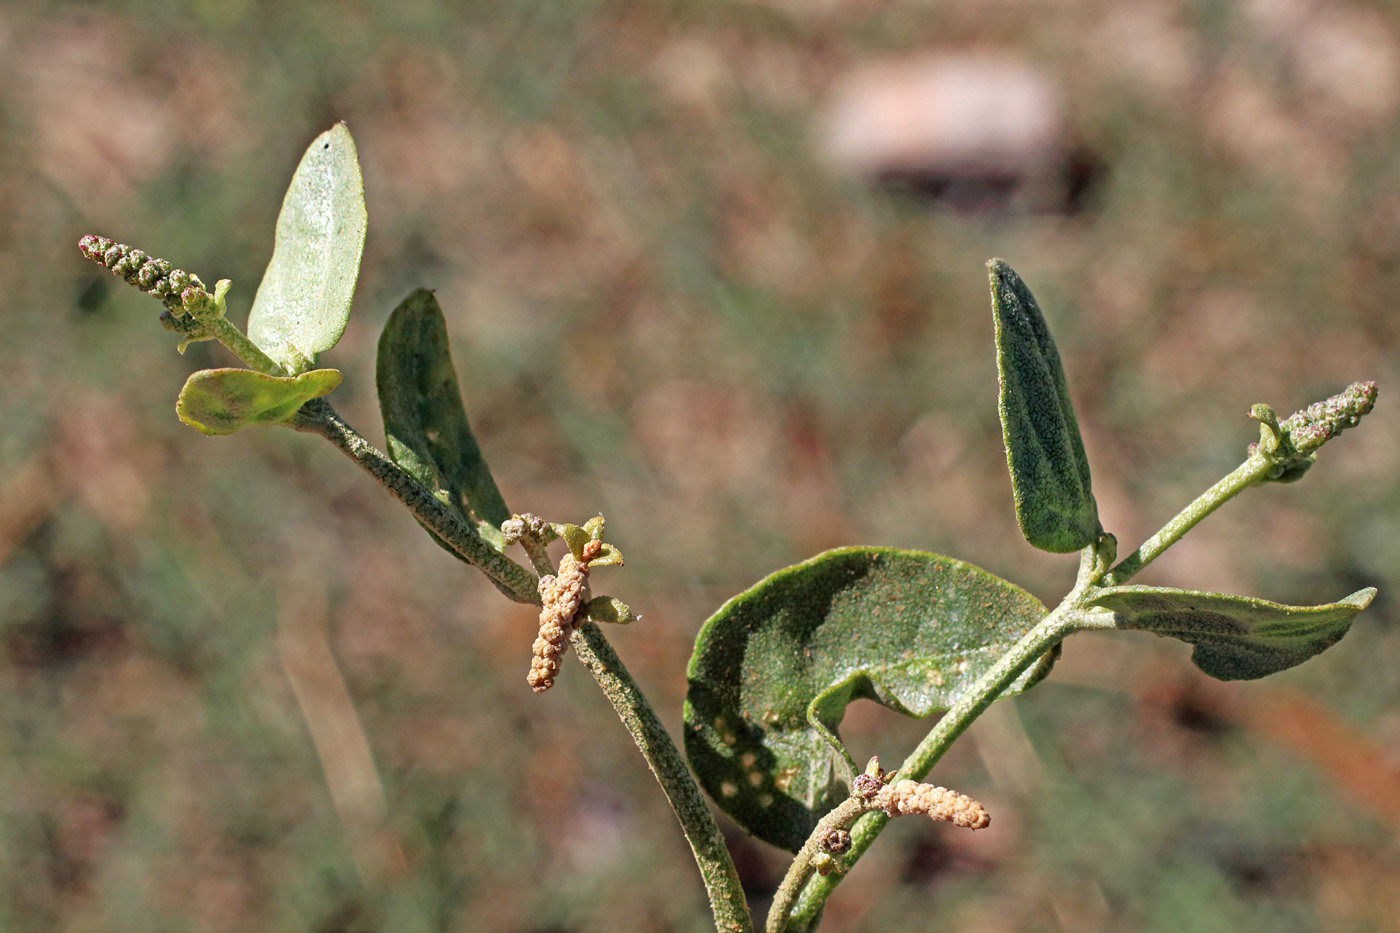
{"type": "Point", "coordinates": [717, 869]}
{"type": "Point", "coordinates": [1073, 614]}
{"type": "Point", "coordinates": [1048, 633]}
{"type": "Point", "coordinates": [318, 417]}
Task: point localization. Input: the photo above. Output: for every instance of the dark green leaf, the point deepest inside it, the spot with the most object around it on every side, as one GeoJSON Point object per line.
{"type": "Point", "coordinates": [424, 422]}
{"type": "Point", "coordinates": [1049, 473]}
{"type": "Point", "coordinates": [220, 401]}
{"type": "Point", "coordinates": [1236, 637]}
{"type": "Point", "coordinates": [777, 665]}
{"type": "Point", "coordinates": [304, 299]}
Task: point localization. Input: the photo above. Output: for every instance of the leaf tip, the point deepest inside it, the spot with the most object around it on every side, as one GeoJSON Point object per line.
{"type": "Point", "coordinates": [1362, 598]}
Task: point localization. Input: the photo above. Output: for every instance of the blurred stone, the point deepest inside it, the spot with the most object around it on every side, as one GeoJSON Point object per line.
{"type": "Point", "coordinates": [979, 132]}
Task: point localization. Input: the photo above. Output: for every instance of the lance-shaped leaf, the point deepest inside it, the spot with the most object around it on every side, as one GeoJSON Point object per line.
{"type": "Point", "coordinates": [776, 666]}
{"type": "Point", "coordinates": [220, 401]}
{"type": "Point", "coordinates": [425, 424]}
{"type": "Point", "coordinates": [1236, 637]}
{"type": "Point", "coordinates": [1049, 473]}
{"type": "Point", "coordinates": [304, 299]}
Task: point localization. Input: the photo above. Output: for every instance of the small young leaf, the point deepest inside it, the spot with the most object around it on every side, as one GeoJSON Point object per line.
{"type": "Point", "coordinates": [424, 422]}
{"type": "Point", "coordinates": [304, 299]}
{"type": "Point", "coordinates": [220, 401]}
{"type": "Point", "coordinates": [776, 666]}
{"type": "Point", "coordinates": [1049, 473]}
{"type": "Point", "coordinates": [1236, 637]}
{"type": "Point", "coordinates": [608, 609]}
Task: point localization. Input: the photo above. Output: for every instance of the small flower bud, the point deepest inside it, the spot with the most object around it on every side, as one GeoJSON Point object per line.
{"type": "Point", "coordinates": [835, 841]}
{"type": "Point", "coordinates": [866, 786]}
{"type": "Point", "coordinates": [513, 529]}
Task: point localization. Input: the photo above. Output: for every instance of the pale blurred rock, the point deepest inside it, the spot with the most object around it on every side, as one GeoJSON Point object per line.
{"type": "Point", "coordinates": [985, 124]}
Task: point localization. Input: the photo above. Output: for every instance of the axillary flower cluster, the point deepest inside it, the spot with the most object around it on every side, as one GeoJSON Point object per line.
{"type": "Point", "coordinates": [566, 602]}
{"type": "Point", "coordinates": [876, 789]}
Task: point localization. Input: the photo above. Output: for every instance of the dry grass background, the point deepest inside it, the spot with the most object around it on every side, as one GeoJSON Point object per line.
{"type": "Point", "coordinates": [666, 307]}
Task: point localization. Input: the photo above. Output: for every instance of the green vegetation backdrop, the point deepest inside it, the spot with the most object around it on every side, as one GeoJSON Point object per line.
{"type": "Point", "coordinates": [664, 306]}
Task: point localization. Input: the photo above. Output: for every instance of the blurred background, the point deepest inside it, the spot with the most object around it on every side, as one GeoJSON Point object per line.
{"type": "Point", "coordinates": [716, 270]}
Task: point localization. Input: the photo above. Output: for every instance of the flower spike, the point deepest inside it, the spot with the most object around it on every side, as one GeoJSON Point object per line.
{"type": "Point", "coordinates": [158, 277]}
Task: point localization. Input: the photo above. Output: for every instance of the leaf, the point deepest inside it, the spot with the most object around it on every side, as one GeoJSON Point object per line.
{"type": "Point", "coordinates": [1236, 637]}
{"type": "Point", "coordinates": [1049, 473]}
{"type": "Point", "coordinates": [425, 424]}
{"type": "Point", "coordinates": [609, 556]}
{"type": "Point", "coordinates": [220, 401]}
{"type": "Point", "coordinates": [304, 299]}
{"type": "Point", "coordinates": [608, 609]}
{"type": "Point", "coordinates": [777, 665]}
{"type": "Point", "coordinates": [575, 537]}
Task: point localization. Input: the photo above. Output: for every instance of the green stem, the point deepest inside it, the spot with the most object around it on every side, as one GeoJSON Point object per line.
{"type": "Point", "coordinates": [539, 557]}
{"type": "Point", "coordinates": [237, 343]}
{"type": "Point", "coordinates": [717, 869]}
{"type": "Point", "coordinates": [318, 417]}
{"type": "Point", "coordinates": [1251, 472]}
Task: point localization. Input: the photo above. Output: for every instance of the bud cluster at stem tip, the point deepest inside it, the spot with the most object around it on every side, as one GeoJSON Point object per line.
{"type": "Point", "coordinates": [1309, 429]}
{"type": "Point", "coordinates": [154, 276]}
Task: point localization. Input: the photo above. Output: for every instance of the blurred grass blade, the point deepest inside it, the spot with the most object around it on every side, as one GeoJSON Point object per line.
{"type": "Point", "coordinates": [425, 425]}
{"type": "Point", "coordinates": [1055, 504]}
{"type": "Point", "coordinates": [1236, 637]}
{"type": "Point", "coordinates": [221, 401]}
{"type": "Point", "coordinates": [775, 668]}
{"type": "Point", "coordinates": [303, 301]}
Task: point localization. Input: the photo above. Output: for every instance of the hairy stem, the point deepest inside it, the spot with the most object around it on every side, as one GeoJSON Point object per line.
{"type": "Point", "coordinates": [721, 879]}
{"type": "Point", "coordinates": [802, 865]}
{"type": "Point", "coordinates": [1251, 472]}
{"type": "Point", "coordinates": [318, 417]}
{"type": "Point", "coordinates": [237, 343]}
